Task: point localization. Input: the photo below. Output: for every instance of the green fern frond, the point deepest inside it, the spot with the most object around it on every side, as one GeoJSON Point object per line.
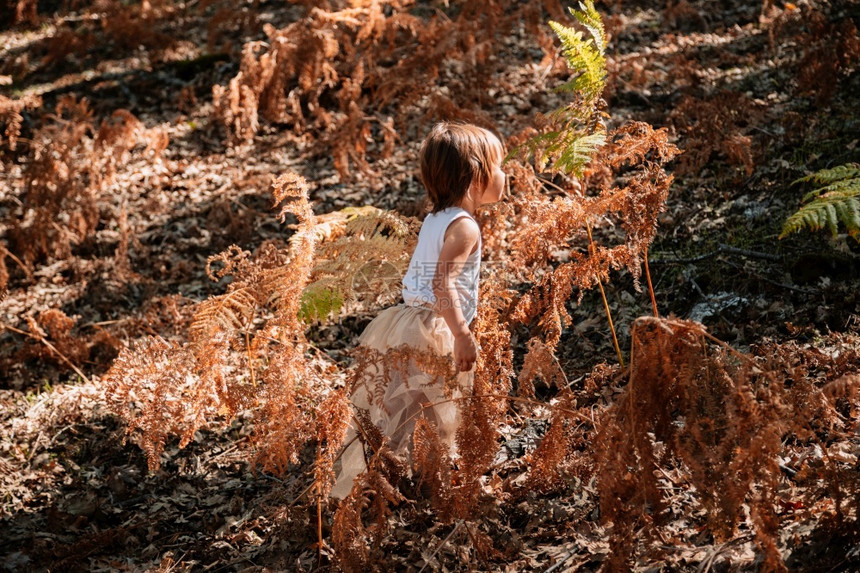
{"type": "Point", "coordinates": [585, 56]}
{"type": "Point", "coordinates": [357, 241]}
{"type": "Point", "coordinates": [843, 186]}
{"type": "Point", "coordinates": [318, 302]}
{"type": "Point", "coordinates": [839, 201]}
{"type": "Point", "coordinates": [574, 131]}
{"type": "Point", "coordinates": [590, 19]}
{"type": "Point", "coordinates": [827, 176]}
{"type": "Point", "coordinates": [586, 59]}
{"type": "Point", "coordinates": [575, 156]}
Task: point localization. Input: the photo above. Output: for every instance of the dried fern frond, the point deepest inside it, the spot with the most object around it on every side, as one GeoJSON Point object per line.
{"type": "Point", "coordinates": [477, 438]}
{"type": "Point", "coordinates": [246, 348]}
{"type": "Point", "coordinates": [332, 423]}
{"type": "Point", "coordinates": [70, 164]}
{"type": "Point", "coordinates": [541, 362]}
{"type": "Point", "coordinates": [54, 325]}
{"type": "Point", "coordinates": [716, 126]}
{"type": "Point", "coordinates": [294, 386]}
{"type": "Point", "coordinates": [636, 203]}
{"type": "Point", "coordinates": [847, 386]}
{"type": "Point", "coordinates": [288, 398]}
{"type": "Point", "coordinates": [354, 542]}
{"type": "Point", "coordinates": [432, 465]}
{"type": "Point", "coordinates": [11, 118]}
{"type": "Point", "coordinates": [691, 401]}
{"type": "Point", "coordinates": [283, 286]}
{"type": "Point", "coordinates": [226, 312]}
{"type": "Point", "coordinates": [825, 207]}
{"type": "Point", "coordinates": [546, 225]}
{"type": "Point", "coordinates": [350, 537]}
{"type": "Point", "coordinates": [564, 450]}
{"type": "Point", "coordinates": [151, 387]}
{"type": "Point", "coordinates": [331, 226]}
{"type": "Point", "coordinates": [644, 151]}
{"type": "Point", "coordinates": [235, 262]}
{"type": "Point", "coordinates": [324, 76]}
{"type": "Point", "coordinates": [816, 392]}
{"type": "Point", "coordinates": [290, 191]}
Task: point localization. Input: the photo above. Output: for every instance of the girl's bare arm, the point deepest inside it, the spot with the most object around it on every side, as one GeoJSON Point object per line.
{"type": "Point", "coordinates": [461, 238]}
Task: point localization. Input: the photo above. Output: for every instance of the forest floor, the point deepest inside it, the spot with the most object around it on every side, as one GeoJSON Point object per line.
{"type": "Point", "coordinates": [729, 82]}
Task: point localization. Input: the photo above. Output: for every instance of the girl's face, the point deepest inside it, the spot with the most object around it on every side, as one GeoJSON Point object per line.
{"type": "Point", "coordinates": [495, 189]}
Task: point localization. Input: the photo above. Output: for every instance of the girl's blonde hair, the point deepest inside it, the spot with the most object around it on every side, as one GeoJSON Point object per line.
{"type": "Point", "coordinates": [454, 155]}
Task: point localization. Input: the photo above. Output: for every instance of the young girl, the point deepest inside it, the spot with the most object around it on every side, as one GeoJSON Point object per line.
{"type": "Point", "coordinates": [461, 170]}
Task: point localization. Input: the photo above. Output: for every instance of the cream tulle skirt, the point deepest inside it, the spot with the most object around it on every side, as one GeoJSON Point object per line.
{"type": "Point", "coordinates": [402, 398]}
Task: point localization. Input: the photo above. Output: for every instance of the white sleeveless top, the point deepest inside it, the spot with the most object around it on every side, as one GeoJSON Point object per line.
{"type": "Point", "coordinates": [418, 282]}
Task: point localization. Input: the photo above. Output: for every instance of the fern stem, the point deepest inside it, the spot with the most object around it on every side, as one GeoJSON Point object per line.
{"type": "Point", "coordinates": [631, 387]}
{"type": "Point", "coordinates": [650, 286]}
{"type": "Point", "coordinates": [611, 326]}
{"type": "Point", "coordinates": [319, 524]}
{"type": "Point", "coordinates": [591, 250]}
{"type": "Point", "coordinates": [6, 252]}
{"type": "Point", "coordinates": [250, 361]}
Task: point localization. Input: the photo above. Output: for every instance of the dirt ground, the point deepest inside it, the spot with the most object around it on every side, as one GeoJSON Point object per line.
{"type": "Point", "coordinates": [740, 87]}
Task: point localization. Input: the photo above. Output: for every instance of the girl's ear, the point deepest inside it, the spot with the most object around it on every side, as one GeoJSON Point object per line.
{"type": "Point", "coordinates": [476, 190]}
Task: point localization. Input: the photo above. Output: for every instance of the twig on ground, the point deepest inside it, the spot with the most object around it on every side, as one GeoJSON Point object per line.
{"type": "Point", "coordinates": [273, 478]}
{"type": "Point", "coordinates": [442, 544]}
{"type": "Point", "coordinates": [51, 347]}
{"type": "Point", "coordinates": [564, 559]}
{"type": "Point", "coordinates": [709, 559]}
{"type": "Point", "coordinates": [720, 249]}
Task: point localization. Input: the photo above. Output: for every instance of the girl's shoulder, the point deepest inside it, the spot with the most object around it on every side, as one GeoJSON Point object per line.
{"type": "Point", "coordinates": [452, 221]}
{"type": "Point", "coordinates": [464, 230]}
